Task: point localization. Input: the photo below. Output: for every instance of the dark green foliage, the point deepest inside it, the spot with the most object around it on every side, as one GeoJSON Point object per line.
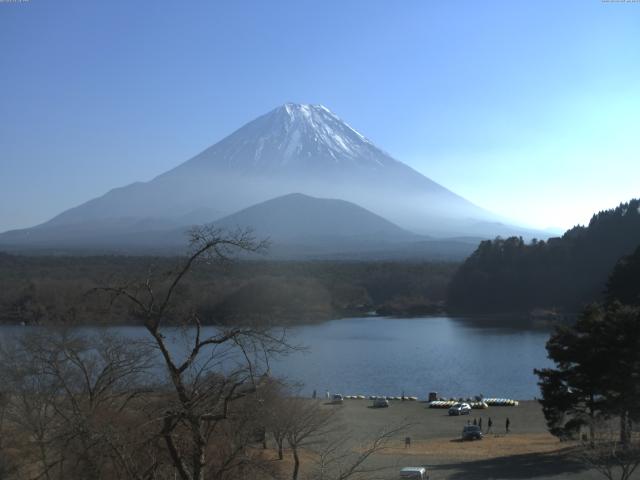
{"type": "Point", "coordinates": [572, 394]}
{"type": "Point", "coordinates": [624, 283]}
{"type": "Point", "coordinates": [597, 371]}
{"type": "Point", "coordinates": [47, 289]}
{"type": "Point", "coordinates": [508, 275]}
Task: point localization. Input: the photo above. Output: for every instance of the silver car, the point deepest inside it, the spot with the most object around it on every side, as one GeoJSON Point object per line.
{"type": "Point", "coordinates": [460, 409]}
{"type": "Point", "coordinates": [380, 402]}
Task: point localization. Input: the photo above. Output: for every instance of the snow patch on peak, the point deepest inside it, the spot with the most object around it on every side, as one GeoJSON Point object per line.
{"type": "Point", "coordinates": [314, 131]}
{"type": "Point", "coordinates": [319, 117]}
{"type": "Point", "coordinates": [299, 137]}
{"type": "Point", "coordinates": [306, 111]}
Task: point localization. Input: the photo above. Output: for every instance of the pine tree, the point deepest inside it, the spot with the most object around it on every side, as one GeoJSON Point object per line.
{"type": "Point", "coordinates": [597, 372]}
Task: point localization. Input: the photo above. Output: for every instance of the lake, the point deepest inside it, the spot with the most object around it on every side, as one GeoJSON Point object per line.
{"type": "Point", "coordinates": [387, 356]}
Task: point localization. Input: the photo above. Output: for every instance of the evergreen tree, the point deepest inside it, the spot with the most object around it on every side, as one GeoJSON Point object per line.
{"type": "Point", "coordinates": [573, 392]}
{"type": "Point", "coordinates": [597, 372]}
{"type": "Point", "coordinates": [624, 282]}
{"type": "Point", "coordinates": [508, 275]}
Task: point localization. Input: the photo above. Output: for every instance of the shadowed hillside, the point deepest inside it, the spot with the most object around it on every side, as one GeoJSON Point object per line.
{"type": "Point", "coordinates": [508, 275]}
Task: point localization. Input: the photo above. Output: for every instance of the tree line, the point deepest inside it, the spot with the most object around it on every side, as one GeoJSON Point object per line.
{"type": "Point", "coordinates": [565, 273]}
{"type": "Point", "coordinates": [47, 290]}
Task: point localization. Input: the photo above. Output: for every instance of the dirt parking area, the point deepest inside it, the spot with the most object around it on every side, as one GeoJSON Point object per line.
{"type": "Point", "coordinates": [527, 451]}
{"type": "Point", "coordinates": [429, 423]}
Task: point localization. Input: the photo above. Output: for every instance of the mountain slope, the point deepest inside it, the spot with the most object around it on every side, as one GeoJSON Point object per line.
{"type": "Point", "coordinates": [298, 217]}
{"type": "Point", "coordinates": [293, 148]}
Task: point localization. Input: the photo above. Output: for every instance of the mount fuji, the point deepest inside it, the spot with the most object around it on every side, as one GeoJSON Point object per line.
{"type": "Point", "coordinates": [293, 148]}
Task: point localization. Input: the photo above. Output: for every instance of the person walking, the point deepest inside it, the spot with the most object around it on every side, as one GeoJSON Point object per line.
{"type": "Point", "coordinates": [507, 425]}
{"type": "Point", "coordinates": [480, 423]}
{"type": "Point", "coordinates": [489, 425]}
{"type": "Point", "coordinates": [475, 422]}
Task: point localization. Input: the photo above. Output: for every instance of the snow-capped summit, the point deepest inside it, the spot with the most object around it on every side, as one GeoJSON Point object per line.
{"type": "Point", "coordinates": [293, 148]}
{"type": "Point", "coordinates": [323, 129]}
{"type": "Point", "coordinates": [294, 137]}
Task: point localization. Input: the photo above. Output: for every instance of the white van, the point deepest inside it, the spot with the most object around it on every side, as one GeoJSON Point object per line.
{"type": "Point", "coordinates": [414, 473]}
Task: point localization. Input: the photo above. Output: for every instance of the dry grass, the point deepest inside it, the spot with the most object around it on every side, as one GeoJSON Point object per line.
{"type": "Point", "coordinates": [492, 446]}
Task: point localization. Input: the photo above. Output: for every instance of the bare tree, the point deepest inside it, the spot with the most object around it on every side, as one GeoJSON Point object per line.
{"type": "Point", "coordinates": [307, 422]}
{"type": "Point", "coordinates": [606, 453]}
{"type": "Point", "coordinates": [219, 368]}
{"type": "Point", "coordinates": [80, 407]}
{"type": "Point", "coordinates": [337, 461]}
{"type": "Point", "coordinates": [307, 425]}
{"type": "Point", "coordinates": [274, 414]}
{"type": "Point", "coordinates": [67, 397]}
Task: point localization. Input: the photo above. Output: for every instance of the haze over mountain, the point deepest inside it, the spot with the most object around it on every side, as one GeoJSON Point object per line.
{"type": "Point", "coordinates": [301, 218]}
{"type": "Point", "coordinates": [293, 148]}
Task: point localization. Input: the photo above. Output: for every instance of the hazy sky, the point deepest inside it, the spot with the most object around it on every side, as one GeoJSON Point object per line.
{"type": "Point", "coordinates": [527, 108]}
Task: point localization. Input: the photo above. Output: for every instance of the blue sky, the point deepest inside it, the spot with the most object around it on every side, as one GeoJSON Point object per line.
{"type": "Point", "coordinates": [530, 109]}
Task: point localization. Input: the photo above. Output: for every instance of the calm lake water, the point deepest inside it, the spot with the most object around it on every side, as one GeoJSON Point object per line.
{"type": "Point", "coordinates": [386, 356]}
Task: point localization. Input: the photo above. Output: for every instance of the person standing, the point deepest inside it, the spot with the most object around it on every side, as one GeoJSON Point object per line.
{"type": "Point", "coordinates": [489, 425]}
{"type": "Point", "coordinates": [480, 423]}
{"type": "Point", "coordinates": [507, 425]}
{"type": "Point", "coordinates": [475, 422]}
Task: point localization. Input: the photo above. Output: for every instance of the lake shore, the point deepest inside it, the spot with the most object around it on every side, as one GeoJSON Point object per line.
{"type": "Point", "coordinates": [527, 451]}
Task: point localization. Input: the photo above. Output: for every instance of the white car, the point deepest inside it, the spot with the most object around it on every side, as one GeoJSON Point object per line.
{"type": "Point", "coordinates": [380, 402]}
{"type": "Point", "coordinates": [414, 473]}
{"type": "Point", "coordinates": [460, 409]}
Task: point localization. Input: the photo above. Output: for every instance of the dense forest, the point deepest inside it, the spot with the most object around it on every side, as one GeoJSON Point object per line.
{"type": "Point", "coordinates": [565, 273]}
{"type": "Point", "coordinates": [62, 289]}
{"type": "Point", "coordinates": [624, 283]}
{"type": "Point", "coordinates": [501, 276]}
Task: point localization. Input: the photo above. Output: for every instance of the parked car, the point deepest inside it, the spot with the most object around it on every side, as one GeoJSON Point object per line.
{"type": "Point", "coordinates": [471, 432]}
{"type": "Point", "coordinates": [380, 402]}
{"type": "Point", "coordinates": [460, 409]}
{"type": "Point", "coordinates": [414, 473]}
{"type": "Point", "coordinates": [337, 398]}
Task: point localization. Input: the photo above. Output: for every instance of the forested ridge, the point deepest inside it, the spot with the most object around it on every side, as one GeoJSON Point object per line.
{"type": "Point", "coordinates": [501, 276]}
{"type": "Point", "coordinates": [565, 273]}
{"type": "Point", "coordinates": [53, 290]}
